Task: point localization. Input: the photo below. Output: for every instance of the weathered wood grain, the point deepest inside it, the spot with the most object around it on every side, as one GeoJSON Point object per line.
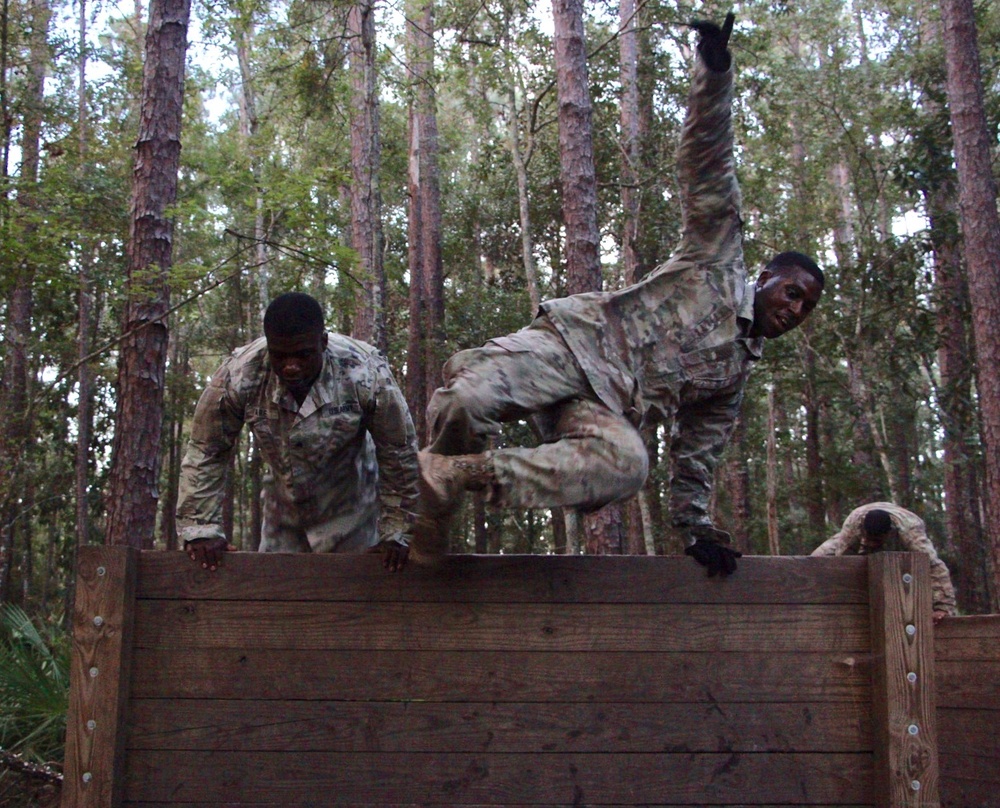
{"type": "Point", "coordinates": [453, 676]}
{"type": "Point", "coordinates": [501, 779]}
{"type": "Point", "coordinates": [501, 626]}
{"type": "Point", "coordinates": [505, 579]}
{"type": "Point", "coordinates": [103, 619]}
{"type": "Point", "coordinates": [971, 730]}
{"type": "Point", "coordinates": [967, 684]}
{"type": "Point", "coordinates": [282, 804]}
{"type": "Point", "coordinates": [602, 727]}
{"type": "Point", "coordinates": [903, 707]}
{"type": "Point", "coordinates": [969, 781]}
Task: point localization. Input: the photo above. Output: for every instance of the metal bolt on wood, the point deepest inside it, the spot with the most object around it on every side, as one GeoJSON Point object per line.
{"type": "Point", "coordinates": [911, 677]}
{"type": "Point", "coordinates": [98, 621]}
{"type": "Point", "coordinates": [87, 777]}
{"type": "Point", "coordinates": [93, 673]}
{"type": "Point", "coordinates": [915, 785]}
{"type": "Point", "coordinates": [913, 729]}
{"type": "Point", "coordinates": [911, 630]}
{"type": "Point", "coordinates": [102, 571]}
{"type": "Point", "coordinates": [907, 578]}
{"type": "Point", "coordinates": [91, 725]}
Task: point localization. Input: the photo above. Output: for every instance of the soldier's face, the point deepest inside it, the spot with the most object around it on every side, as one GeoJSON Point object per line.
{"type": "Point", "coordinates": [297, 360]}
{"type": "Point", "coordinates": [783, 299]}
{"type": "Point", "coordinates": [871, 543]}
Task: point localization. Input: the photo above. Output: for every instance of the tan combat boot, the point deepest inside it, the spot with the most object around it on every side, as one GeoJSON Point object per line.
{"type": "Point", "coordinates": [444, 479]}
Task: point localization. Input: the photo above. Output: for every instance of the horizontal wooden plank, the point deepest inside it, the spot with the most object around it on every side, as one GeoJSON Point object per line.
{"type": "Point", "coordinates": [973, 626]}
{"type": "Point", "coordinates": [966, 684]}
{"type": "Point", "coordinates": [969, 781]}
{"type": "Point", "coordinates": [974, 649]}
{"type": "Point", "coordinates": [338, 726]}
{"type": "Point", "coordinates": [261, 673]}
{"type": "Point", "coordinates": [970, 731]}
{"type": "Point", "coordinates": [501, 626]}
{"type": "Point", "coordinates": [497, 779]}
{"type": "Point", "coordinates": [451, 804]}
{"type": "Point", "coordinates": [505, 579]}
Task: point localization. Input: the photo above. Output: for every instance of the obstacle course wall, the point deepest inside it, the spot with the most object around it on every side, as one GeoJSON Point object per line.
{"type": "Point", "coordinates": [287, 680]}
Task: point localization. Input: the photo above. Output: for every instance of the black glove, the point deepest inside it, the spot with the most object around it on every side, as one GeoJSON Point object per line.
{"type": "Point", "coordinates": [713, 44]}
{"type": "Point", "coordinates": [711, 549]}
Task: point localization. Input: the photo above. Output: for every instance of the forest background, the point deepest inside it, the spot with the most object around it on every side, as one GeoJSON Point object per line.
{"type": "Point", "coordinates": [407, 164]}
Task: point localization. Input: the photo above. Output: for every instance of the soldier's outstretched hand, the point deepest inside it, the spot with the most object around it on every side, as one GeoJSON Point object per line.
{"type": "Point", "coordinates": [713, 42]}
{"type": "Point", "coordinates": [394, 554]}
{"type": "Point", "coordinates": [208, 552]}
{"type": "Point", "coordinates": [711, 549]}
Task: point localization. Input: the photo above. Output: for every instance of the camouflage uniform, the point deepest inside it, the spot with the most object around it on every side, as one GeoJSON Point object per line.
{"type": "Point", "coordinates": [596, 366]}
{"type": "Point", "coordinates": [349, 448]}
{"type": "Point", "coordinates": [913, 537]}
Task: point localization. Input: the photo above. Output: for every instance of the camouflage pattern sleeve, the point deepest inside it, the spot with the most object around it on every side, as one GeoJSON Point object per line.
{"type": "Point", "coordinates": [834, 546]}
{"type": "Point", "coordinates": [913, 535]}
{"type": "Point", "coordinates": [709, 191]}
{"type": "Point", "coordinates": [217, 422]}
{"type": "Point", "coordinates": [391, 428]}
{"type": "Point", "coordinates": [701, 433]}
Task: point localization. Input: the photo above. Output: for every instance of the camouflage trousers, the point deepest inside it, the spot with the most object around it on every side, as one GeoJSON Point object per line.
{"type": "Point", "coordinates": [589, 455]}
{"type": "Point", "coordinates": [304, 527]}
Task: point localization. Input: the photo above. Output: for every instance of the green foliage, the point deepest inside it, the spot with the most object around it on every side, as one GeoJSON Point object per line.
{"type": "Point", "coordinates": [34, 686]}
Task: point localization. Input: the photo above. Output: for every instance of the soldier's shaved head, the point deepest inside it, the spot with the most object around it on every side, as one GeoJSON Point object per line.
{"type": "Point", "coordinates": [293, 314]}
{"type": "Point", "coordinates": [796, 259]}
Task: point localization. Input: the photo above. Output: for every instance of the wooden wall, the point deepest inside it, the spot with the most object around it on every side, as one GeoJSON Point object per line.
{"type": "Point", "coordinates": [967, 658]}
{"type": "Point", "coordinates": [318, 680]}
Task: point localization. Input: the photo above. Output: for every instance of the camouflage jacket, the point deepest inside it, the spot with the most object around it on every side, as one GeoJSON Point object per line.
{"type": "Point", "coordinates": [913, 537]}
{"type": "Point", "coordinates": [675, 345]}
{"type": "Point", "coordinates": [347, 450]}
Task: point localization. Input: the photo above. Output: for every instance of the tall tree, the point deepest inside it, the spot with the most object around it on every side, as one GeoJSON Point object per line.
{"type": "Point", "coordinates": [366, 198]}
{"type": "Point", "coordinates": [603, 529]}
{"type": "Point", "coordinates": [977, 196]}
{"type": "Point", "coordinates": [135, 464]}
{"type": "Point", "coordinates": [15, 442]}
{"type": "Point", "coordinates": [576, 149]}
{"type": "Point", "coordinates": [426, 278]}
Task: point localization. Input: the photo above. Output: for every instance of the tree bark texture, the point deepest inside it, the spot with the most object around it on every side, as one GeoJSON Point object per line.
{"type": "Point", "coordinates": [576, 149]}
{"type": "Point", "coordinates": [366, 199]}
{"type": "Point", "coordinates": [602, 530]}
{"type": "Point", "coordinates": [426, 273]}
{"type": "Point", "coordinates": [977, 196]}
{"type": "Point", "coordinates": [132, 487]}
{"type": "Point", "coordinates": [628, 49]}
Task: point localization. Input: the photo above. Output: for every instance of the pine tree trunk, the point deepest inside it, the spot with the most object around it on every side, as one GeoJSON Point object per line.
{"type": "Point", "coordinates": [602, 530]}
{"type": "Point", "coordinates": [243, 35]}
{"type": "Point", "coordinates": [366, 200]}
{"type": "Point", "coordinates": [15, 429]}
{"type": "Point", "coordinates": [631, 157]}
{"type": "Point", "coordinates": [426, 335]}
{"type": "Point", "coordinates": [576, 149]}
{"type": "Point", "coordinates": [977, 195]}
{"type": "Point", "coordinates": [133, 480]}
{"type": "Point", "coordinates": [956, 367]}
{"type": "Point", "coordinates": [524, 211]}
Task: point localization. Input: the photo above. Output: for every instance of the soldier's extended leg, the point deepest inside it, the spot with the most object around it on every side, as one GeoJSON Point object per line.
{"type": "Point", "coordinates": [591, 455]}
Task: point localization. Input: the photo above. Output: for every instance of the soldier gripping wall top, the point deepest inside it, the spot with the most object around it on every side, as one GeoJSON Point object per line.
{"type": "Point", "coordinates": [592, 368]}
{"type": "Point", "coordinates": [334, 429]}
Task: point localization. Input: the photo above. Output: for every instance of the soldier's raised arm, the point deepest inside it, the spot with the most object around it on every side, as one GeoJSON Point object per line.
{"type": "Point", "coordinates": [709, 191]}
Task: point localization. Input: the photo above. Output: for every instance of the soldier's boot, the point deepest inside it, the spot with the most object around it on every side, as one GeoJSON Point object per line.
{"type": "Point", "coordinates": [444, 479]}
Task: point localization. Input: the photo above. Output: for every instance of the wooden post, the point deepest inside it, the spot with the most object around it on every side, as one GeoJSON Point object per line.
{"type": "Point", "coordinates": [99, 671]}
{"type": "Point", "coordinates": [903, 709]}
